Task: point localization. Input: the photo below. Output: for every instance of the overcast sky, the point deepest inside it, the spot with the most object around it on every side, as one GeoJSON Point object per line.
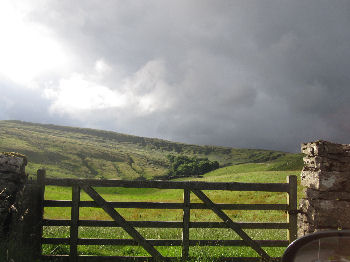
{"type": "Point", "coordinates": [249, 74]}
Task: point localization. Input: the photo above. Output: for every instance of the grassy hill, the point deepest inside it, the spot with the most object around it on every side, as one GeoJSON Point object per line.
{"type": "Point", "coordinates": [78, 152]}
{"type": "Point", "coordinates": [89, 153]}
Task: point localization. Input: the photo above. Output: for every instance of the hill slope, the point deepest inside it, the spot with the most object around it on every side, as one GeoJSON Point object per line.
{"type": "Point", "coordinates": [81, 152]}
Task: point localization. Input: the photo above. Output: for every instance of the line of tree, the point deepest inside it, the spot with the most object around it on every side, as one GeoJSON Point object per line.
{"type": "Point", "coordinates": [184, 166]}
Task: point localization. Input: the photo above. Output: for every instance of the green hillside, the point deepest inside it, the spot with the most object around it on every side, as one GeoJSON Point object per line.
{"type": "Point", "coordinates": [78, 152]}
{"type": "Point", "coordinates": [88, 153]}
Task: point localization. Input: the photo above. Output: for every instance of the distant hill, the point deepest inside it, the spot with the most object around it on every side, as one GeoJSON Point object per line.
{"type": "Point", "coordinates": [89, 153]}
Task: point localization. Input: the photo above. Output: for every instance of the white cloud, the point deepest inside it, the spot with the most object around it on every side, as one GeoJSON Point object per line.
{"type": "Point", "coordinates": [78, 93]}
{"type": "Point", "coordinates": [149, 89]}
{"type": "Point", "coordinates": [142, 93]}
{"type": "Point", "coordinates": [102, 68]}
{"type": "Point", "coordinates": [27, 50]}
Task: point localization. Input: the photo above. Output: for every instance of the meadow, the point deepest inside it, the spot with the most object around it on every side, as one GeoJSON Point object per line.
{"type": "Point", "coordinates": [72, 152]}
{"type": "Point", "coordinates": [251, 172]}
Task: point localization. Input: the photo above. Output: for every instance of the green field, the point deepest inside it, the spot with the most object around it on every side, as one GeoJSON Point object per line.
{"type": "Point", "coordinates": [238, 173]}
{"type": "Point", "coordinates": [89, 153]}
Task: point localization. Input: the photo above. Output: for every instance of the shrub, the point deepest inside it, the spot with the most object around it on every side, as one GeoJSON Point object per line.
{"type": "Point", "coordinates": [184, 166]}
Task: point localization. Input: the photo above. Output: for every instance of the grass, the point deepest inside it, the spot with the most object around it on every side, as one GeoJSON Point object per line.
{"type": "Point", "coordinates": [238, 173]}
{"type": "Point", "coordinates": [89, 153]}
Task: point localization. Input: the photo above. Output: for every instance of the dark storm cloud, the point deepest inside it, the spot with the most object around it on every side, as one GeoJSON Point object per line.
{"type": "Point", "coordinates": [259, 74]}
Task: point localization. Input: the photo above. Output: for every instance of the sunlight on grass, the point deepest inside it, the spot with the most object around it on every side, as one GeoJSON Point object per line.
{"type": "Point", "coordinates": [242, 173]}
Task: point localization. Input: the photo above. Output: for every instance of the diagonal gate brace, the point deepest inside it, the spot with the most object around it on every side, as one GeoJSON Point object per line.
{"type": "Point", "coordinates": [122, 222]}
{"type": "Point", "coordinates": [235, 226]}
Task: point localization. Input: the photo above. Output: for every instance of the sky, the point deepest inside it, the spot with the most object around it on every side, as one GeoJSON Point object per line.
{"type": "Point", "coordinates": [240, 73]}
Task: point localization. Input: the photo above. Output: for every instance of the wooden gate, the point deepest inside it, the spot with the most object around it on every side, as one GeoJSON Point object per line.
{"type": "Point", "coordinates": [87, 185]}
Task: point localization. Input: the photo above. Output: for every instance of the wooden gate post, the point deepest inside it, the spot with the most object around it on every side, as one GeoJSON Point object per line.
{"type": "Point", "coordinates": [292, 208]}
{"type": "Point", "coordinates": [186, 225]}
{"type": "Point", "coordinates": [73, 255]}
{"type": "Point", "coordinates": [41, 176]}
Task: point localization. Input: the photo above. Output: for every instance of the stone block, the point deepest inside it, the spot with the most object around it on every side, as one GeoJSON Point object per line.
{"type": "Point", "coordinates": [7, 187]}
{"type": "Point", "coordinates": [304, 226]}
{"type": "Point", "coordinates": [324, 148]}
{"type": "Point", "coordinates": [12, 162]}
{"type": "Point", "coordinates": [304, 229]}
{"type": "Point", "coordinates": [326, 213]}
{"type": "Point", "coordinates": [312, 194]}
{"type": "Point", "coordinates": [6, 177]}
{"type": "Point", "coordinates": [325, 181]}
{"type": "Point", "coordinates": [340, 164]}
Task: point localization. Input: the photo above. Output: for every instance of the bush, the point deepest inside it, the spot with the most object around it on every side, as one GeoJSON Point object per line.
{"type": "Point", "coordinates": [183, 166]}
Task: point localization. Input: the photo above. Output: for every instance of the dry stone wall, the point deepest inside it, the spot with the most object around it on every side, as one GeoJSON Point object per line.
{"type": "Point", "coordinates": [326, 178]}
{"type": "Point", "coordinates": [12, 180]}
{"type": "Point", "coordinates": [21, 211]}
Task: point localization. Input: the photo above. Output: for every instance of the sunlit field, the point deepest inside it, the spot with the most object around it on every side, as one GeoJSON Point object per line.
{"type": "Point", "coordinates": [238, 173]}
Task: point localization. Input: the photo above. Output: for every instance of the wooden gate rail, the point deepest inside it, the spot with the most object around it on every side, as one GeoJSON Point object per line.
{"type": "Point", "coordinates": [148, 244]}
{"type": "Point", "coordinates": [164, 224]}
{"type": "Point", "coordinates": [65, 258]}
{"type": "Point", "coordinates": [234, 186]}
{"type": "Point", "coordinates": [164, 242]}
{"type": "Point", "coordinates": [166, 205]}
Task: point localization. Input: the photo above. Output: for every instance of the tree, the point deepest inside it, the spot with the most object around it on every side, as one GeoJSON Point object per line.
{"type": "Point", "coordinates": [183, 166]}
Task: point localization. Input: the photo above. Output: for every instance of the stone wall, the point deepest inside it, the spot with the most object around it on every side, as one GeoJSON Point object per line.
{"type": "Point", "coordinates": [326, 178]}
{"type": "Point", "coordinates": [21, 211]}
{"type": "Point", "coordinates": [12, 180]}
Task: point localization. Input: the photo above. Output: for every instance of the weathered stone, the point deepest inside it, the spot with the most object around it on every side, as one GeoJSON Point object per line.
{"type": "Point", "coordinates": [327, 213]}
{"type": "Point", "coordinates": [325, 181]}
{"type": "Point", "coordinates": [305, 225]}
{"type": "Point", "coordinates": [325, 148]}
{"type": "Point", "coordinates": [11, 176]}
{"type": "Point", "coordinates": [326, 195]}
{"type": "Point", "coordinates": [341, 164]}
{"type": "Point", "coordinates": [7, 188]}
{"type": "Point", "coordinates": [12, 162]}
{"type": "Point", "coordinates": [25, 231]}
{"type": "Point", "coordinates": [12, 179]}
{"type": "Point", "coordinates": [326, 177]}
{"type": "Point", "coordinates": [305, 228]}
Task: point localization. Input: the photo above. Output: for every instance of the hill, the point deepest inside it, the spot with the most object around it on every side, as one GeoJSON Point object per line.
{"type": "Point", "coordinates": [89, 153]}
